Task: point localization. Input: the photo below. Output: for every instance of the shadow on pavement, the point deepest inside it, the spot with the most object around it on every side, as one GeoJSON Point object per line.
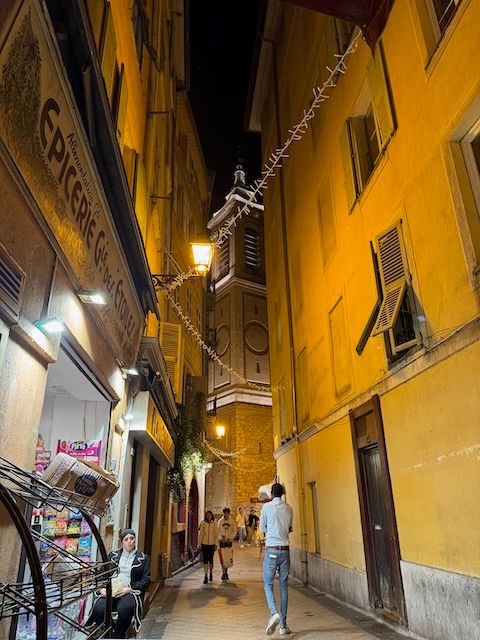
{"type": "Point", "coordinates": [203, 595]}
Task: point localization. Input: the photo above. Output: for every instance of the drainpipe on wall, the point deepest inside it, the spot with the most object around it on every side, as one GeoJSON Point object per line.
{"type": "Point", "coordinates": [298, 451]}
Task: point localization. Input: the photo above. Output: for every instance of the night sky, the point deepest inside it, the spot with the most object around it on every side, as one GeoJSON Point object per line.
{"type": "Point", "coordinates": [222, 41]}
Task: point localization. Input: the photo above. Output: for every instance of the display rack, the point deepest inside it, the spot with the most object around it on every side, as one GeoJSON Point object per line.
{"type": "Point", "coordinates": [71, 578]}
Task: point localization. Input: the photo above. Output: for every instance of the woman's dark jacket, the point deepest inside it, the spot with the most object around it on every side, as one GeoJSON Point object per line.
{"type": "Point", "coordinates": [139, 580]}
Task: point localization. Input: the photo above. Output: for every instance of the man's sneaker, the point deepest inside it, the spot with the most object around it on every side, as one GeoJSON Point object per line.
{"type": "Point", "coordinates": [205, 580]}
{"type": "Point", "coordinates": [285, 631]}
{"type": "Point", "coordinates": [272, 624]}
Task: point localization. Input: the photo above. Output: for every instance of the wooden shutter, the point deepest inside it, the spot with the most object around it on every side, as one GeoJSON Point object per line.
{"type": "Point", "coordinates": [382, 107]}
{"type": "Point", "coordinates": [392, 264]}
{"type": "Point", "coordinates": [122, 107]}
{"type": "Point", "coordinates": [108, 51]}
{"type": "Point", "coordinates": [171, 343]}
{"type": "Point", "coordinates": [346, 149]}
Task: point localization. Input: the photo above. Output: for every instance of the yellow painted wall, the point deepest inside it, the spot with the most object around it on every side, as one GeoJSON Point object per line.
{"type": "Point", "coordinates": [431, 420]}
{"type": "Point", "coordinates": [434, 453]}
{"type": "Point", "coordinates": [328, 460]}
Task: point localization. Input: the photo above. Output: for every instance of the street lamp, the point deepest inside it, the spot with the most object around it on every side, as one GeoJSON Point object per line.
{"type": "Point", "coordinates": [202, 259]}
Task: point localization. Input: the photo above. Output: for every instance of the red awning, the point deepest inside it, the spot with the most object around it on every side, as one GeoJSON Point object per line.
{"type": "Point", "coordinates": [370, 15]}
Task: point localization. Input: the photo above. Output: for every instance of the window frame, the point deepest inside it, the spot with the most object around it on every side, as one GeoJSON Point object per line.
{"type": "Point", "coordinates": [438, 32]}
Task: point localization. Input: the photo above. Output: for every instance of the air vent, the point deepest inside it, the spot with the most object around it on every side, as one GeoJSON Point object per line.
{"type": "Point", "coordinates": [12, 283]}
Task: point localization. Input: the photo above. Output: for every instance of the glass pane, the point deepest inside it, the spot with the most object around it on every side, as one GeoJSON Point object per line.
{"type": "Point", "coordinates": [404, 331]}
{"type": "Point", "coordinates": [444, 10]}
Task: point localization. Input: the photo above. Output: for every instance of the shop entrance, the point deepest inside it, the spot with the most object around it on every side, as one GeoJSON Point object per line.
{"type": "Point", "coordinates": [75, 420]}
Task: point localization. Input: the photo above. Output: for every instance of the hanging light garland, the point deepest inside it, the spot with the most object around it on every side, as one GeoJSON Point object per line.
{"type": "Point", "coordinates": [275, 161]}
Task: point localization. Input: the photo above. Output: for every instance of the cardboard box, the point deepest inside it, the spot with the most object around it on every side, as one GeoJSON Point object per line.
{"type": "Point", "coordinates": [89, 486]}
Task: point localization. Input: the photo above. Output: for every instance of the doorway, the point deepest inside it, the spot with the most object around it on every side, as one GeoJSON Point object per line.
{"type": "Point", "coordinates": [379, 527]}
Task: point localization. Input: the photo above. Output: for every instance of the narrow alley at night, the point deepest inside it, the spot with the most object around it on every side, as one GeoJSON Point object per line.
{"type": "Point", "coordinates": [239, 319]}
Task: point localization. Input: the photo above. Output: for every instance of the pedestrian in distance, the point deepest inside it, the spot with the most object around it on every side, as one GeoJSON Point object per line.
{"type": "Point", "coordinates": [207, 543]}
{"type": "Point", "coordinates": [276, 523]}
{"type": "Point", "coordinates": [241, 523]}
{"type": "Point", "coordinates": [227, 530]}
{"type": "Point", "coordinates": [128, 587]}
{"type": "Point", "coordinates": [252, 527]}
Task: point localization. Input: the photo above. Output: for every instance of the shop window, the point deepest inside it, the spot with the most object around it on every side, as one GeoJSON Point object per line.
{"type": "Point", "coordinates": [394, 315]}
{"type": "Point", "coordinates": [369, 129]}
{"type": "Point", "coordinates": [252, 251]}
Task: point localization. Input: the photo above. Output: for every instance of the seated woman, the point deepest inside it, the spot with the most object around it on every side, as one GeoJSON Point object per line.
{"type": "Point", "coordinates": [127, 588]}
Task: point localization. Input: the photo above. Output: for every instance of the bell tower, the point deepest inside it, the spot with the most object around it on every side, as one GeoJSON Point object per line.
{"type": "Point", "coordinates": [238, 327]}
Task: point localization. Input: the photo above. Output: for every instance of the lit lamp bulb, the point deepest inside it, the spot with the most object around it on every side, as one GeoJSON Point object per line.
{"type": "Point", "coordinates": [202, 257]}
{"type": "Point", "coordinates": [220, 431]}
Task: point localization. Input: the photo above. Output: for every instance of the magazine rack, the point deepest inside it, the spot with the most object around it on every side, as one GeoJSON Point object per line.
{"type": "Point", "coordinates": [72, 579]}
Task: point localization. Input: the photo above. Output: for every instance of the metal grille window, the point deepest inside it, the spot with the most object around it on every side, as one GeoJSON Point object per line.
{"type": "Point", "coordinates": [252, 251]}
{"type": "Point", "coordinates": [12, 285]}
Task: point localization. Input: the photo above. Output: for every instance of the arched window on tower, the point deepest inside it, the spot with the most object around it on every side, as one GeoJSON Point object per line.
{"type": "Point", "coordinates": [224, 258]}
{"type": "Point", "coordinates": [252, 251]}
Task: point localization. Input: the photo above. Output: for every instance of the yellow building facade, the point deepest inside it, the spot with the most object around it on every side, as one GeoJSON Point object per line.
{"type": "Point", "coordinates": [374, 315]}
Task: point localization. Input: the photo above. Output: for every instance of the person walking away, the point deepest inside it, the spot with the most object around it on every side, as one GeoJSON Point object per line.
{"type": "Point", "coordinates": [227, 531]}
{"type": "Point", "coordinates": [128, 587]}
{"type": "Point", "coordinates": [241, 523]}
{"type": "Point", "coordinates": [276, 523]}
{"type": "Point", "coordinates": [252, 527]}
{"type": "Point", "coordinates": [207, 541]}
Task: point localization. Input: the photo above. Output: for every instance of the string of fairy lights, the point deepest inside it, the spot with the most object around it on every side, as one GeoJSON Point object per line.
{"type": "Point", "coordinates": [274, 163]}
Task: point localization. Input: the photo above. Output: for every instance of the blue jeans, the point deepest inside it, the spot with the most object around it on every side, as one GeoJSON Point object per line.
{"type": "Point", "coordinates": [276, 560]}
{"type": "Point", "coordinates": [242, 534]}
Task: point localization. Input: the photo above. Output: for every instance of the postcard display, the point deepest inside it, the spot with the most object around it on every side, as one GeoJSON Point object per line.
{"type": "Point", "coordinates": [66, 559]}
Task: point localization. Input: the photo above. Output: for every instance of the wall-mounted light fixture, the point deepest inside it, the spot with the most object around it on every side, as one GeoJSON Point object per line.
{"type": "Point", "coordinates": [220, 431]}
{"type": "Point", "coordinates": [92, 297]}
{"type": "Point", "coordinates": [129, 371]}
{"type": "Point", "coordinates": [202, 259]}
{"type": "Point", "coordinates": [50, 325]}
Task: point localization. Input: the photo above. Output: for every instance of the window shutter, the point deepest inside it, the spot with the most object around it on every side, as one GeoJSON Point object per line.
{"type": "Point", "coordinates": [109, 50]}
{"type": "Point", "coordinates": [170, 341]}
{"type": "Point", "coordinates": [382, 107]}
{"type": "Point", "coordinates": [392, 264]}
{"type": "Point", "coordinates": [12, 284]}
{"type": "Point", "coordinates": [346, 149]}
{"type": "Point", "coordinates": [122, 107]}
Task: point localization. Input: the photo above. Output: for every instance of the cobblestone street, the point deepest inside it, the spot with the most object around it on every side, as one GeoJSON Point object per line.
{"type": "Point", "coordinates": [185, 609]}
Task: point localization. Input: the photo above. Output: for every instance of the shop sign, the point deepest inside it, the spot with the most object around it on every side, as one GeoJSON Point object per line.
{"type": "Point", "coordinates": [157, 430]}
{"type": "Point", "coordinates": [84, 449]}
{"type": "Point", "coordinates": [43, 133]}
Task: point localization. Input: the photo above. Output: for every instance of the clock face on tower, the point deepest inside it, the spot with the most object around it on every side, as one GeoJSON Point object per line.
{"type": "Point", "coordinates": [256, 337]}
{"type": "Point", "coordinates": [223, 339]}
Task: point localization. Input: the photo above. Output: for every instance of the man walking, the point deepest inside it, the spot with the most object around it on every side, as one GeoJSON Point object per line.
{"type": "Point", "coordinates": [276, 523]}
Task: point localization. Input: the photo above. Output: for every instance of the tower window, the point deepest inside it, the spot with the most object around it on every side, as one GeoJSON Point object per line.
{"type": "Point", "coordinates": [224, 258]}
{"type": "Point", "coordinates": [252, 251]}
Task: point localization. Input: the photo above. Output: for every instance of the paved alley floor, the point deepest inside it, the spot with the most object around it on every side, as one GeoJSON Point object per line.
{"type": "Point", "coordinates": [185, 609]}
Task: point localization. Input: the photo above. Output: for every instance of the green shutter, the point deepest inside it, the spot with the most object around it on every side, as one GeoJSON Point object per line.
{"type": "Point", "coordinates": [382, 107]}
{"type": "Point", "coordinates": [346, 149]}
{"type": "Point", "coordinates": [108, 51]}
{"type": "Point", "coordinates": [122, 107]}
